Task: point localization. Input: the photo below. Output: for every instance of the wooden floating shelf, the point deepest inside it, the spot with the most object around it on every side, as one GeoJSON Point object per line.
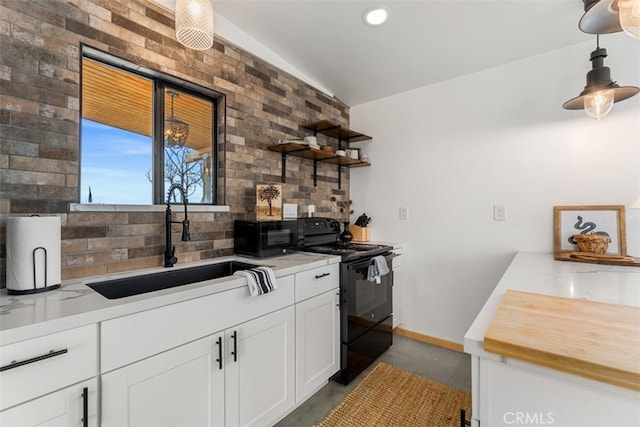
{"type": "Point", "coordinates": [299, 150]}
{"type": "Point", "coordinates": [303, 151]}
{"type": "Point", "coordinates": [347, 162]}
{"type": "Point", "coordinates": [343, 135]}
{"type": "Point", "coordinates": [334, 130]}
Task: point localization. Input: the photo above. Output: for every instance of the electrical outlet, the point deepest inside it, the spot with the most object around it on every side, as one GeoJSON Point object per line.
{"type": "Point", "coordinates": [404, 212]}
{"type": "Point", "coordinates": [499, 213]}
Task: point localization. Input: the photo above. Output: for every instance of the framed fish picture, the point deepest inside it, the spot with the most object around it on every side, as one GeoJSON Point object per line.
{"type": "Point", "coordinates": [604, 220]}
{"type": "Point", "coordinates": [268, 202]}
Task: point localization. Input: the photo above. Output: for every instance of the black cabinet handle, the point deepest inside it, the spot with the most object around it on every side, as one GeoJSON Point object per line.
{"type": "Point", "coordinates": [15, 364]}
{"type": "Point", "coordinates": [320, 276]}
{"type": "Point", "coordinates": [85, 407]}
{"type": "Point", "coordinates": [219, 359]}
{"type": "Point", "coordinates": [463, 419]}
{"type": "Point", "coordinates": [234, 336]}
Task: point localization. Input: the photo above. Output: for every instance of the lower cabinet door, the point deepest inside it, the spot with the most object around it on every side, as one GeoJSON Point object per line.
{"type": "Point", "coordinates": [535, 395]}
{"type": "Point", "coordinates": [74, 406]}
{"type": "Point", "coordinates": [180, 387]}
{"type": "Point", "coordinates": [317, 342]}
{"type": "Point", "coordinates": [259, 369]}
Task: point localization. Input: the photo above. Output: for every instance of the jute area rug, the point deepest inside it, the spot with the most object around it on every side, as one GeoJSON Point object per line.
{"type": "Point", "coordinates": [390, 396]}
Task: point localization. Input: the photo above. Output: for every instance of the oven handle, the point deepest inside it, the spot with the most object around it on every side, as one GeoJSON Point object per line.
{"type": "Point", "coordinates": [367, 262]}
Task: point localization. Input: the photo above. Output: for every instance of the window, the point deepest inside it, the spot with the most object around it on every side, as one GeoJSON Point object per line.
{"type": "Point", "coordinates": [142, 131]}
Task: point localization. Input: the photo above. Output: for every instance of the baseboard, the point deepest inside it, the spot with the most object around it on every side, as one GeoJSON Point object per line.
{"type": "Point", "coordinates": [430, 340]}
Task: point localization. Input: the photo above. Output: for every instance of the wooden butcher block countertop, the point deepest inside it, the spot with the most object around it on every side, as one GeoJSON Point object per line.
{"type": "Point", "coordinates": [593, 339]}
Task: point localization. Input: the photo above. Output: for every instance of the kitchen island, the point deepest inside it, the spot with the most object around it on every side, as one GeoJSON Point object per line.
{"type": "Point", "coordinates": [507, 390]}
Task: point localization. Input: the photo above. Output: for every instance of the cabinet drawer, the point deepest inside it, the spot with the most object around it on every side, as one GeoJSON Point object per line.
{"type": "Point", "coordinates": [317, 281]}
{"type": "Point", "coordinates": [38, 366]}
{"type": "Point", "coordinates": [130, 338]}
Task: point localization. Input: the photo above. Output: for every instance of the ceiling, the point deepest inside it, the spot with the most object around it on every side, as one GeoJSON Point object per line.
{"type": "Point", "coordinates": [423, 42]}
{"type": "Point", "coordinates": [128, 104]}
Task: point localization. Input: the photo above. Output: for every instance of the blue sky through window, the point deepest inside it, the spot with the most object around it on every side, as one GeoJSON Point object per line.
{"type": "Point", "coordinates": [115, 163]}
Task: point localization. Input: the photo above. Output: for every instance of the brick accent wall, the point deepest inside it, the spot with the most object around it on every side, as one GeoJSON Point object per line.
{"type": "Point", "coordinates": [39, 129]}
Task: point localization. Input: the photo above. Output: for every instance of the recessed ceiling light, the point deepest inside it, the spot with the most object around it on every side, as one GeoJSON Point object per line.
{"type": "Point", "coordinates": [375, 16]}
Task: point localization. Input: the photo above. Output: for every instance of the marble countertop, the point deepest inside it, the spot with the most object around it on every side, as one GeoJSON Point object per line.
{"type": "Point", "coordinates": [74, 304]}
{"type": "Point", "coordinates": [540, 273]}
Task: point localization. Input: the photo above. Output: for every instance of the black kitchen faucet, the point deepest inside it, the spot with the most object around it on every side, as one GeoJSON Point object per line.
{"type": "Point", "coordinates": [170, 250]}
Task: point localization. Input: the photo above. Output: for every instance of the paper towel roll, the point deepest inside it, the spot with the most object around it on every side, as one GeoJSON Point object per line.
{"type": "Point", "coordinates": [33, 254]}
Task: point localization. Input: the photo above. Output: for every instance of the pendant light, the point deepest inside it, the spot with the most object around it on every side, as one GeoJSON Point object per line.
{"type": "Point", "coordinates": [175, 130]}
{"type": "Point", "coordinates": [601, 92]}
{"type": "Point", "coordinates": [611, 16]}
{"type": "Point", "coordinates": [194, 23]}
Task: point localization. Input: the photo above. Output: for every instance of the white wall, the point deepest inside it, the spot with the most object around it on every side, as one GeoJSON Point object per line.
{"type": "Point", "coordinates": [453, 150]}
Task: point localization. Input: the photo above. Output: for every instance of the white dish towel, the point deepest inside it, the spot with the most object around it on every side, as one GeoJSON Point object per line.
{"type": "Point", "coordinates": [261, 280]}
{"type": "Point", "coordinates": [377, 269]}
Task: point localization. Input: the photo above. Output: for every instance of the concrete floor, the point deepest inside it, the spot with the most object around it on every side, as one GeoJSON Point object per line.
{"type": "Point", "coordinates": [430, 361]}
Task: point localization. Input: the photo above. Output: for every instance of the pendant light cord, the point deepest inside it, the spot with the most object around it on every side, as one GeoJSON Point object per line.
{"type": "Point", "coordinates": [173, 96]}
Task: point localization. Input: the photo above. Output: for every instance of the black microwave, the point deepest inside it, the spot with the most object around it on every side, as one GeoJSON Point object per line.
{"type": "Point", "coordinates": [262, 239]}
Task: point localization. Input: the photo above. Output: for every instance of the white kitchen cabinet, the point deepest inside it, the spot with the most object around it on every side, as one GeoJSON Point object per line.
{"type": "Point", "coordinates": [74, 406]}
{"type": "Point", "coordinates": [509, 392]}
{"type": "Point", "coordinates": [44, 364]}
{"type": "Point", "coordinates": [50, 380]}
{"type": "Point", "coordinates": [260, 369]}
{"type": "Point", "coordinates": [317, 342]}
{"type": "Point", "coordinates": [133, 337]}
{"type": "Point", "coordinates": [253, 383]}
{"type": "Point", "coordinates": [316, 281]}
{"type": "Point", "coordinates": [183, 386]}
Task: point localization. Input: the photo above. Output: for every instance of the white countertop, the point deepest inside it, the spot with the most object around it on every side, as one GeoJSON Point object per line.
{"type": "Point", "coordinates": [540, 273]}
{"type": "Point", "coordinates": [74, 304]}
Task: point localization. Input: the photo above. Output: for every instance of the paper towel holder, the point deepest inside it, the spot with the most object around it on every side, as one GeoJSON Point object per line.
{"type": "Point", "coordinates": [36, 289]}
{"type": "Point", "coordinates": [35, 284]}
{"type": "Point", "coordinates": [40, 258]}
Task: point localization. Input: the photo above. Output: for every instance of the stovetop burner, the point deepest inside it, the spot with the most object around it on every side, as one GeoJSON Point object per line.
{"type": "Point", "coordinates": [321, 235]}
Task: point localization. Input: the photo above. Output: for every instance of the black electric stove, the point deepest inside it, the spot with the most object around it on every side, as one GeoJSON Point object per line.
{"type": "Point", "coordinates": [366, 317]}
{"type": "Point", "coordinates": [321, 235]}
{"type": "Point", "coordinates": [350, 251]}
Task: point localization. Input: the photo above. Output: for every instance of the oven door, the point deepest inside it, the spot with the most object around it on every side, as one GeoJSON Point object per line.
{"type": "Point", "coordinates": [366, 303]}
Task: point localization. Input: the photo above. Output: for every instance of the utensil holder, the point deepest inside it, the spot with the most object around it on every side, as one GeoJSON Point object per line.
{"type": "Point", "coordinates": [360, 234]}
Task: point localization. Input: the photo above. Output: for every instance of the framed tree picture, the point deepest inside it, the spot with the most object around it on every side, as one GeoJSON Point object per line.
{"type": "Point", "coordinates": [268, 202]}
{"type": "Point", "coordinates": [569, 221]}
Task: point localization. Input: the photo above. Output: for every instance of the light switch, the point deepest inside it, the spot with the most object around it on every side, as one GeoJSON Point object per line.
{"type": "Point", "coordinates": [289, 211]}
{"type": "Point", "coordinates": [404, 212]}
{"type": "Point", "coordinates": [499, 213]}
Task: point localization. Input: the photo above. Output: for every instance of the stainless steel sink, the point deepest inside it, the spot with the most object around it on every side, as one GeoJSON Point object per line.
{"type": "Point", "coordinates": [136, 285]}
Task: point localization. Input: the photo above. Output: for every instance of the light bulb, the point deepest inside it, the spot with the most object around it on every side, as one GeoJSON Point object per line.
{"type": "Point", "coordinates": [375, 17]}
{"type": "Point", "coordinates": [195, 9]}
{"type": "Point", "coordinates": [598, 104]}
{"type": "Point", "coordinates": [629, 12]}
